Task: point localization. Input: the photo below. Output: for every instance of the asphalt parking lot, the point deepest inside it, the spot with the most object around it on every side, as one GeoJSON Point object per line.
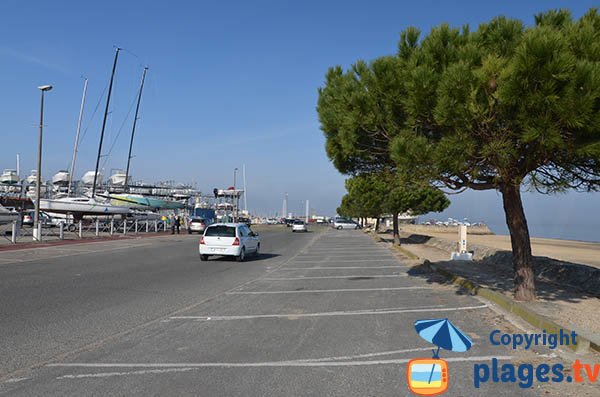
{"type": "Point", "coordinates": [332, 315]}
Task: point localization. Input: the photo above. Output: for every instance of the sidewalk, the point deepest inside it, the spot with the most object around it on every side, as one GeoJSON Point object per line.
{"type": "Point", "coordinates": [26, 242]}
{"type": "Point", "coordinates": [559, 304]}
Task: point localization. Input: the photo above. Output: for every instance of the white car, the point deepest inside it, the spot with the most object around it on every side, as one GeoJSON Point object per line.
{"type": "Point", "coordinates": [197, 225]}
{"type": "Point", "coordinates": [341, 223]}
{"type": "Point", "coordinates": [229, 239]}
{"type": "Point", "coordinates": [299, 226]}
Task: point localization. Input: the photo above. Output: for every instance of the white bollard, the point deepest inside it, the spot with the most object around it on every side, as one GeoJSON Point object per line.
{"type": "Point", "coordinates": [13, 236]}
{"type": "Point", "coordinates": [61, 231]}
{"type": "Point", "coordinates": [462, 254]}
{"type": "Point", "coordinates": [112, 227]}
{"type": "Point", "coordinates": [97, 228]}
{"type": "Point", "coordinates": [165, 226]}
{"type": "Point", "coordinates": [80, 229]}
{"type": "Point", "coordinates": [37, 232]}
{"type": "Point", "coordinates": [136, 226]}
{"type": "Point", "coordinates": [147, 228]}
{"type": "Point", "coordinates": [125, 226]}
{"type": "Point", "coordinates": [156, 225]}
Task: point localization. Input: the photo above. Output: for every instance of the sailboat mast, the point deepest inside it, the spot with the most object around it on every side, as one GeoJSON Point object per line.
{"type": "Point", "coordinates": [72, 170]}
{"type": "Point", "coordinates": [112, 77]}
{"type": "Point", "coordinates": [245, 202]}
{"type": "Point", "coordinates": [135, 119]}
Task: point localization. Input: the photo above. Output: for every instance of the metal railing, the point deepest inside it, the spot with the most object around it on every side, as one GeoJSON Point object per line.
{"type": "Point", "coordinates": [82, 230]}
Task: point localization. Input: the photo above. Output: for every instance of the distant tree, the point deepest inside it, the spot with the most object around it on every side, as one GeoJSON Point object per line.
{"type": "Point", "coordinates": [348, 207]}
{"type": "Point", "coordinates": [413, 199]}
{"type": "Point", "coordinates": [367, 191]}
{"type": "Point", "coordinates": [372, 195]}
{"type": "Point", "coordinates": [503, 107]}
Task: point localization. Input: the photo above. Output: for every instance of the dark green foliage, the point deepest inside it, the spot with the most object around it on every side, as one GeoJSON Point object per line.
{"type": "Point", "coordinates": [501, 107]}
{"type": "Point", "coordinates": [505, 104]}
{"type": "Point", "coordinates": [372, 195]}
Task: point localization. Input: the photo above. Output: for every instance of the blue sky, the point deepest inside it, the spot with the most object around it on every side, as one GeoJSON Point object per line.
{"type": "Point", "coordinates": [230, 83]}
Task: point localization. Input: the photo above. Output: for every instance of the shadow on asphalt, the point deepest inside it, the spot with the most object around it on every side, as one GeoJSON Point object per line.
{"type": "Point", "coordinates": [249, 257]}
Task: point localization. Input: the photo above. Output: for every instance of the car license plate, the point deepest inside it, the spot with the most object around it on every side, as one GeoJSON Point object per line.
{"type": "Point", "coordinates": [217, 249]}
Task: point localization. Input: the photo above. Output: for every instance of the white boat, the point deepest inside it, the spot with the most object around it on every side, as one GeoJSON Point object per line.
{"type": "Point", "coordinates": [407, 217]}
{"type": "Point", "coordinates": [225, 206]}
{"type": "Point", "coordinates": [9, 177]}
{"type": "Point", "coordinates": [118, 178]}
{"type": "Point", "coordinates": [32, 178]}
{"type": "Point", "coordinates": [7, 216]}
{"type": "Point", "coordinates": [181, 194]}
{"type": "Point", "coordinates": [61, 178]}
{"type": "Point", "coordinates": [88, 178]}
{"type": "Point", "coordinates": [30, 192]}
{"type": "Point", "coordinates": [231, 192]}
{"type": "Point", "coordinates": [80, 206]}
{"type": "Point", "coordinates": [141, 189]}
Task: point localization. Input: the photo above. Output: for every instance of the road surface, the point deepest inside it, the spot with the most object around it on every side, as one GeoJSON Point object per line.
{"type": "Point", "coordinates": [326, 313]}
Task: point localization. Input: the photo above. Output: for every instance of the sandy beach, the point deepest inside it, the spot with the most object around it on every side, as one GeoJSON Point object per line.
{"type": "Point", "coordinates": [582, 252]}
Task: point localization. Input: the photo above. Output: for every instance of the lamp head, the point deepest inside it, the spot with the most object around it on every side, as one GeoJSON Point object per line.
{"type": "Point", "coordinates": [45, 87]}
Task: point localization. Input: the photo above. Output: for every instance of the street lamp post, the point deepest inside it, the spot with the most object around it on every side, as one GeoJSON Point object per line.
{"type": "Point", "coordinates": [235, 199]}
{"type": "Point", "coordinates": [37, 235]}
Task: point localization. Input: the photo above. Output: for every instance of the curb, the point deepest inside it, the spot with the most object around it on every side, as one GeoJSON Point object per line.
{"type": "Point", "coordinates": [583, 345]}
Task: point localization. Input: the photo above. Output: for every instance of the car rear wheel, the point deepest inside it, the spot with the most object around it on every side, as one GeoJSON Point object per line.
{"type": "Point", "coordinates": [242, 255]}
{"type": "Point", "coordinates": [339, 228]}
{"type": "Point", "coordinates": [71, 227]}
{"type": "Point", "coordinates": [203, 257]}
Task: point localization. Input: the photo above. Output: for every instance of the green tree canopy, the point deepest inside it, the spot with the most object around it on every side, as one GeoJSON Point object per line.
{"type": "Point", "coordinates": [376, 194]}
{"type": "Point", "coordinates": [503, 107]}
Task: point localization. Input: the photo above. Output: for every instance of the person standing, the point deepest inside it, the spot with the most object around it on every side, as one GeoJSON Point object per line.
{"type": "Point", "coordinates": [172, 223]}
{"type": "Point", "coordinates": [177, 223]}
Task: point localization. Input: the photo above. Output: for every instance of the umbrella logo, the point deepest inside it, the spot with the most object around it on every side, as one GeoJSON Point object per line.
{"type": "Point", "coordinates": [429, 376]}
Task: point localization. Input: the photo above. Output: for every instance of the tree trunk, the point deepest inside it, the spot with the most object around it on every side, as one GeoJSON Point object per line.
{"type": "Point", "coordinates": [377, 225]}
{"type": "Point", "coordinates": [524, 277]}
{"type": "Point", "coordinates": [396, 230]}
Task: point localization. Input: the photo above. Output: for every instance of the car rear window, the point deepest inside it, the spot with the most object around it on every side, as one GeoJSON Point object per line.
{"type": "Point", "coordinates": [220, 231]}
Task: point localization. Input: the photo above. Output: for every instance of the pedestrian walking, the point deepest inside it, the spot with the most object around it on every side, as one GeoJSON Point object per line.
{"type": "Point", "coordinates": [177, 223]}
{"type": "Point", "coordinates": [172, 223]}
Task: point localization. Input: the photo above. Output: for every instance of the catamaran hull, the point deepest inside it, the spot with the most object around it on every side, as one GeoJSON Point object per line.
{"type": "Point", "coordinates": [82, 208]}
{"type": "Point", "coordinates": [134, 201]}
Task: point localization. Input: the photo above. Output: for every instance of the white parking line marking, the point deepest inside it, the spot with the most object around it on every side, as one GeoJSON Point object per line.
{"type": "Point", "coordinates": [268, 364]}
{"type": "Point", "coordinates": [367, 355]}
{"type": "Point", "coordinates": [344, 267]}
{"type": "Point", "coordinates": [391, 259]}
{"type": "Point", "coordinates": [351, 248]}
{"type": "Point", "coordinates": [310, 291]}
{"type": "Point", "coordinates": [162, 371]}
{"type": "Point", "coordinates": [331, 314]}
{"type": "Point", "coordinates": [111, 374]}
{"type": "Point", "coordinates": [348, 254]}
{"type": "Point", "coordinates": [351, 276]}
